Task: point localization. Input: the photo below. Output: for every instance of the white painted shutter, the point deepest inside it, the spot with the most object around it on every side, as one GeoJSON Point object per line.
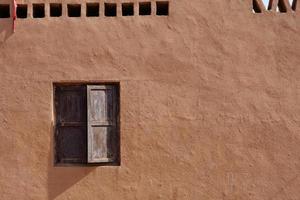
{"type": "Point", "coordinates": [102, 123]}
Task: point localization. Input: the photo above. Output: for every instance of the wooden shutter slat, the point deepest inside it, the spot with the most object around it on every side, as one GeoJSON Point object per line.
{"type": "Point", "coordinates": [72, 101]}
{"type": "Point", "coordinates": [102, 127]}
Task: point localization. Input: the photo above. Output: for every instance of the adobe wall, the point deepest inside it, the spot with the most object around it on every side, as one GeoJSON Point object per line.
{"type": "Point", "coordinates": [210, 103]}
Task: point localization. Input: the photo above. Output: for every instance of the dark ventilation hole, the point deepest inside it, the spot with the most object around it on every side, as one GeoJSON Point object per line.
{"type": "Point", "coordinates": [110, 9]}
{"type": "Point", "coordinates": [162, 8]}
{"type": "Point", "coordinates": [256, 7]}
{"type": "Point", "coordinates": [267, 4]}
{"type": "Point", "coordinates": [294, 5]}
{"type": "Point", "coordinates": [4, 11]}
{"type": "Point", "coordinates": [22, 11]}
{"type": "Point", "coordinates": [127, 9]}
{"type": "Point", "coordinates": [145, 8]}
{"type": "Point", "coordinates": [281, 7]}
{"type": "Point", "coordinates": [270, 5]}
{"type": "Point", "coordinates": [92, 9]}
{"type": "Point", "coordinates": [38, 10]}
{"type": "Point", "coordinates": [55, 10]}
{"type": "Point", "coordinates": [74, 10]}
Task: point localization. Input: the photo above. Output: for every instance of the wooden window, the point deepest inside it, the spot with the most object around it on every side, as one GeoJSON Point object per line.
{"type": "Point", "coordinates": [87, 124]}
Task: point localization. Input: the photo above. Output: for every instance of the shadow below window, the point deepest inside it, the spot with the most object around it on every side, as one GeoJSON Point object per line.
{"type": "Point", "coordinates": [61, 179]}
{"type": "Point", "coordinates": [5, 30]}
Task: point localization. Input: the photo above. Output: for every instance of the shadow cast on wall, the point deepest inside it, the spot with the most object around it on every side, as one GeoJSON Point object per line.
{"type": "Point", "coordinates": [6, 30]}
{"type": "Point", "coordinates": [61, 178]}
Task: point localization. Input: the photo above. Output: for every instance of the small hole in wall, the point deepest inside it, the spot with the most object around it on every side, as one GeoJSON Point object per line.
{"type": "Point", "coordinates": [162, 8]}
{"type": "Point", "coordinates": [74, 10]}
{"type": "Point", "coordinates": [294, 5]}
{"type": "Point", "coordinates": [127, 9]}
{"type": "Point", "coordinates": [22, 11]}
{"type": "Point", "coordinates": [4, 11]}
{"type": "Point", "coordinates": [55, 9]}
{"type": "Point", "coordinates": [256, 7]}
{"type": "Point", "coordinates": [92, 9]}
{"type": "Point", "coordinates": [145, 8]}
{"type": "Point", "coordinates": [38, 10]}
{"type": "Point", "coordinates": [267, 4]}
{"type": "Point", "coordinates": [281, 7]}
{"type": "Point", "coordinates": [110, 9]}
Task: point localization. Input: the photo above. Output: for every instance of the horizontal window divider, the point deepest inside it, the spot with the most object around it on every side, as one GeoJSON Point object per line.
{"type": "Point", "coordinates": [102, 125]}
{"type": "Point", "coordinates": [66, 124]}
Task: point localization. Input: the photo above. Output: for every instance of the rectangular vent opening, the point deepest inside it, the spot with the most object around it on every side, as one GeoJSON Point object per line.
{"type": "Point", "coordinates": [127, 9]}
{"type": "Point", "coordinates": [162, 8]}
{"type": "Point", "coordinates": [110, 9]}
{"type": "Point", "coordinates": [145, 8]}
{"type": "Point", "coordinates": [92, 9]}
{"type": "Point", "coordinates": [267, 4]}
{"type": "Point", "coordinates": [74, 10]}
{"type": "Point", "coordinates": [22, 11]}
{"type": "Point", "coordinates": [281, 7]}
{"type": "Point", "coordinates": [256, 7]}
{"type": "Point", "coordinates": [294, 5]}
{"type": "Point", "coordinates": [38, 10]}
{"type": "Point", "coordinates": [55, 10]}
{"type": "Point", "coordinates": [4, 11]}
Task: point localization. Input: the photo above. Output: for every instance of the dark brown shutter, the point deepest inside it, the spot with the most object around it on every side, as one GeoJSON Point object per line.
{"type": "Point", "coordinates": [102, 123]}
{"type": "Point", "coordinates": [70, 134]}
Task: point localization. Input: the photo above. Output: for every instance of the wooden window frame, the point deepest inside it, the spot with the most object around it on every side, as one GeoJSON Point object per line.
{"type": "Point", "coordinates": [116, 161]}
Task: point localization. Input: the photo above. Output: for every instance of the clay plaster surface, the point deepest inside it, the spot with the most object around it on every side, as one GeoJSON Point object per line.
{"type": "Point", "coordinates": [210, 103]}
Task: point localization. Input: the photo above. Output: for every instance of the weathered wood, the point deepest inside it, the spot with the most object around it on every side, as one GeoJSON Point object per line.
{"type": "Point", "coordinates": [71, 145]}
{"type": "Point", "coordinates": [72, 104]}
{"type": "Point", "coordinates": [102, 123]}
{"type": "Point", "coordinates": [70, 137]}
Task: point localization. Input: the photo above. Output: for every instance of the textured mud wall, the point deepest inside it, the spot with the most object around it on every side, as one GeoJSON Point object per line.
{"type": "Point", "coordinates": [210, 103]}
